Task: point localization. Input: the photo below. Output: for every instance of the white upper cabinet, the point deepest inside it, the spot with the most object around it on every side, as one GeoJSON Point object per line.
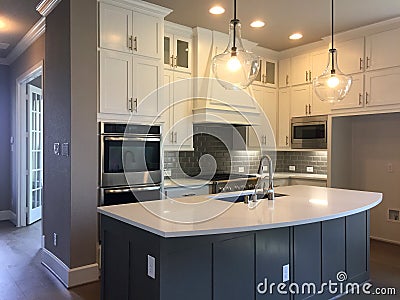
{"type": "Point", "coordinates": [131, 31]}
{"type": "Point", "coordinates": [301, 69]}
{"type": "Point", "coordinates": [147, 35]}
{"type": "Point", "coordinates": [381, 87]}
{"type": "Point", "coordinates": [115, 28]}
{"type": "Point", "coordinates": [319, 61]}
{"type": "Point", "coordinates": [284, 73]}
{"type": "Point", "coordinates": [300, 101]}
{"type": "Point", "coordinates": [284, 118]}
{"type": "Point", "coordinates": [355, 98]}
{"type": "Point", "coordinates": [350, 55]}
{"type": "Point", "coordinates": [267, 74]}
{"type": "Point", "coordinates": [382, 50]}
{"type": "Point", "coordinates": [177, 52]}
{"type": "Point", "coordinates": [115, 82]}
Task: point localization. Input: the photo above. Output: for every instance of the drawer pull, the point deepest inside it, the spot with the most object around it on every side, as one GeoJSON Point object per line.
{"type": "Point", "coordinates": [188, 195]}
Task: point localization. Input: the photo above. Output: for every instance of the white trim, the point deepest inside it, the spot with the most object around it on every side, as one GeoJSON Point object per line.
{"type": "Point", "coordinates": [20, 147]}
{"type": "Point", "coordinates": [6, 215]}
{"type": "Point", "coordinates": [30, 37]}
{"type": "Point", "coordinates": [384, 240]}
{"type": "Point", "coordinates": [178, 29]}
{"type": "Point", "coordinates": [46, 6]}
{"type": "Point", "coordinates": [69, 277]}
{"type": "Point", "coordinates": [140, 6]}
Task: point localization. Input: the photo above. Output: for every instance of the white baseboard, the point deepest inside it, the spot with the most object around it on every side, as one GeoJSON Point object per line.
{"type": "Point", "coordinates": [69, 277]}
{"type": "Point", "coordinates": [384, 240]}
{"type": "Point", "coordinates": [8, 215]}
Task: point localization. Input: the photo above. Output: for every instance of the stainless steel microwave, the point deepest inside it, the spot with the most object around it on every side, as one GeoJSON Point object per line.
{"type": "Point", "coordinates": [309, 132]}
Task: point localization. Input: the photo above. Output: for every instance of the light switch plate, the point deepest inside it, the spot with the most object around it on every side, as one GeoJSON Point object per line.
{"type": "Point", "coordinates": [65, 149]}
{"type": "Point", "coordinates": [56, 148]}
{"type": "Point", "coordinates": [310, 169]}
{"type": "Point", "coordinates": [167, 172]}
{"type": "Point", "coordinates": [285, 273]}
{"type": "Point", "coordinates": [292, 168]}
{"type": "Point", "coordinates": [151, 266]}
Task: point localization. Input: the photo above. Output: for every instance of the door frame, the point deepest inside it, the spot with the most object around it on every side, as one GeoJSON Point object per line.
{"type": "Point", "coordinates": [20, 141]}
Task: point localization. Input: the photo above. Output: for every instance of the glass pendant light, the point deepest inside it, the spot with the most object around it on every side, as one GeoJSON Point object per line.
{"type": "Point", "coordinates": [235, 68]}
{"type": "Point", "coordinates": [332, 85]}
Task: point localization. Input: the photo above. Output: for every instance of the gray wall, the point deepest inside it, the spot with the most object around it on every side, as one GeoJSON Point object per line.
{"type": "Point", "coordinates": [70, 112]}
{"type": "Point", "coordinates": [31, 57]}
{"type": "Point", "coordinates": [5, 125]}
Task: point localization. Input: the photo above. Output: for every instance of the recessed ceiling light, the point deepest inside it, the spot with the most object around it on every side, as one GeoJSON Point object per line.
{"type": "Point", "coordinates": [296, 36]}
{"type": "Point", "coordinates": [217, 10]}
{"type": "Point", "coordinates": [257, 24]}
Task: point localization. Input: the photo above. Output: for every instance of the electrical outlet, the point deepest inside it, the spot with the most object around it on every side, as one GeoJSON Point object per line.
{"type": "Point", "coordinates": [55, 236]}
{"type": "Point", "coordinates": [56, 149]}
{"type": "Point", "coordinates": [167, 172]}
{"type": "Point", "coordinates": [390, 168]}
{"type": "Point", "coordinates": [310, 169]}
{"type": "Point", "coordinates": [285, 273]}
{"type": "Point", "coordinates": [292, 168]}
{"type": "Point", "coordinates": [151, 266]}
{"type": "Point", "coordinates": [241, 169]}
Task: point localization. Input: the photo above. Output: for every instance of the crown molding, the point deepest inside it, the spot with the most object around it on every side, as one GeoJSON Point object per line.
{"type": "Point", "coordinates": [30, 37]}
{"type": "Point", "coordinates": [46, 6]}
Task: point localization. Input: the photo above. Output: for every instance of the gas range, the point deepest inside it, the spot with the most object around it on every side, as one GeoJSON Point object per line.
{"type": "Point", "coordinates": [223, 182]}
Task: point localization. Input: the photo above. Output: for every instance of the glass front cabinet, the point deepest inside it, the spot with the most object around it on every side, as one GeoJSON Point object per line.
{"type": "Point", "coordinates": [267, 75]}
{"type": "Point", "coordinates": [177, 49]}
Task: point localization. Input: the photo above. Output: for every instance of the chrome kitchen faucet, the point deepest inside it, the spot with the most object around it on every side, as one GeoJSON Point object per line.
{"type": "Point", "coordinates": [266, 191]}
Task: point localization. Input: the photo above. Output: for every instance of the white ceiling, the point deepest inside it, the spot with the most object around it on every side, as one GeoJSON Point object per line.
{"type": "Point", "coordinates": [283, 17]}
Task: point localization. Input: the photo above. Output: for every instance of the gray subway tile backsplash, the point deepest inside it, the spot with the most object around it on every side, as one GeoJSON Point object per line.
{"type": "Point", "coordinates": [186, 163]}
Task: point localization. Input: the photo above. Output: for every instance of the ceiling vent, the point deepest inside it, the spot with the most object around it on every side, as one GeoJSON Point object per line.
{"type": "Point", "coordinates": [4, 46]}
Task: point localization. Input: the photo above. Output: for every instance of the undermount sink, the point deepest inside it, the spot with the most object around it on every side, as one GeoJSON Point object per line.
{"type": "Point", "coordinates": [236, 199]}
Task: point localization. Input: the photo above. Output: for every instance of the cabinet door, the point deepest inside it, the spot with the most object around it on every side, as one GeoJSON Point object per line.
{"type": "Point", "coordinates": [380, 87]}
{"type": "Point", "coordinates": [350, 55]}
{"type": "Point", "coordinates": [284, 118]}
{"type": "Point", "coordinates": [270, 73]}
{"type": "Point", "coordinates": [284, 72]}
{"type": "Point", "coordinates": [355, 98]}
{"type": "Point", "coordinates": [147, 35]}
{"type": "Point", "coordinates": [300, 67]}
{"type": "Point", "coordinates": [319, 62]}
{"type": "Point", "coordinates": [168, 51]}
{"type": "Point", "coordinates": [115, 28]}
{"type": "Point", "coordinates": [183, 110]}
{"type": "Point", "coordinates": [300, 99]}
{"type": "Point", "coordinates": [183, 54]}
{"type": "Point", "coordinates": [382, 50]}
{"type": "Point", "coordinates": [146, 78]}
{"type": "Point", "coordinates": [260, 75]}
{"type": "Point", "coordinates": [115, 82]}
{"type": "Point", "coordinates": [270, 108]}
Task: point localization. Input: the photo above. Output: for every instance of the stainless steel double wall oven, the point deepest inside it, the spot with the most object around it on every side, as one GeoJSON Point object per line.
{"type": "Point", "coordinates": [130, 163]}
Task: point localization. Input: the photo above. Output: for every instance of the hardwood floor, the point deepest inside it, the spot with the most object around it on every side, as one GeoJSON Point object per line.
{"type": "Point", "coordinates": [22, 277]}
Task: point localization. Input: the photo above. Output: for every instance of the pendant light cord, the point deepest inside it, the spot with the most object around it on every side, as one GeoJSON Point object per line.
{"type": "Point", "coordinates": [235, 22]}
{"type": "Point", "coordinates": [332, 48]}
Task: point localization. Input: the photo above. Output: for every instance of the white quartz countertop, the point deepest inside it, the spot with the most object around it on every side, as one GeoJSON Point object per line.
{"type": "Point", "coordinates": [187, 181]}
{"type": "Point", "coordinates": [205, 214]}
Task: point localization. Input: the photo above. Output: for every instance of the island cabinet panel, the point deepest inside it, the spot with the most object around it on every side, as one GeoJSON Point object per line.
{"type": "Point", "coordinates": [233, 268]}
{"type": "Point", "coordinates": [357, 247]}
{"type": "Point", "coordinates": [272, 253]}
{"type": "Point", "coordinates": [333, 251]}
{"type": "Point", "coordinates": [307, 257]}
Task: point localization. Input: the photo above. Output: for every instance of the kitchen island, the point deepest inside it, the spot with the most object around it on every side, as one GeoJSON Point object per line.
{"type": "Point", "coordinates": [182, 249]}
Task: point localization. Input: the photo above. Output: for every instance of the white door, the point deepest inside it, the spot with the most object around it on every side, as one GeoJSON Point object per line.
{"type": "Point", "coordinates": [35, 154]}
{"type": "Point", "coordinates": [147, 35]}
{"type": "Point", "coordinates": [284, 118]}
{"type": "Point", "coordinates": [300, 100]}
{"type": "Point", "coordinates": [355, 98]}
{"type": "Point", "coordinates": [350, 55]}
{"type": "Point", "coordinates": [284, 72]}
{"type": "Point", "coordinates": [379, 87]}
{"type": "Point", "coordinates": [300, 67]}
{"type": "Point", "coordinates": [382, 50]}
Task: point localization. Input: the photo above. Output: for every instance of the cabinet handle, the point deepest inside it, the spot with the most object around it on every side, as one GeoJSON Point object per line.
{"type": "Point", "coordinates": [287, 140]}
{"type": "Point", "coordinates": [361, 63]}
{"type": "Point", "coordinates": [171, 139]}
{"type": "Point", "coordinates": [175, 61]}
{"type": "Point", "coordinates": [287, 79]}
{"type": "Point", "coordinates": [172, 61]}
{"type": "Point", "coordinates": [309, 109]}
{"type": "Point", "coordinates": [306, 75]}
{"type": "Point", "coordinates": [176, 137]}
{"type": "Point", "coordinates": [188, 195]}
{"type": "Point", "coordinates": [306, 109]}
{"type": "Point", "coordinates": [136, 104]}
{"type": "Point", "coordinates": [130, 42]}
{"type": "Point", "coordinates": [368, 60]}
{"type": "Point", "coordinates": [366, 98]}
{"type": "Point", "coordinates": [130, 104]}
{"type": "Point", "coordinates": [359, 99]}
{"type": "Point", "coordinates": [309, 75]}
{"type": "Point", "coordinates": [135, 39]}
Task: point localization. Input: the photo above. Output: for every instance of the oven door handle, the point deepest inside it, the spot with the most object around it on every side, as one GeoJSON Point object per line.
{"type": "Point", "coordinates": [135, 189]}
{"type": "Point", "coordinates": [133, 139]}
